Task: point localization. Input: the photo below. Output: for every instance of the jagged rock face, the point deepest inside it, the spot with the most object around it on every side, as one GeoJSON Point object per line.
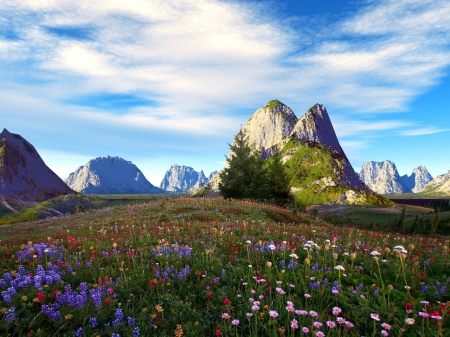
{"type": "Point", "coordinates": [199, 184]}
{"type": "Point", "coordinates": [268, 126]}
{"type": "Point", "coordinates": [23, 174]}
{"type": "Point", "coordinates": [181, 179]}
{"type": "Point", "coordinates": [419, 178]}
{"type": "Point", "coordinates": [315, 126]}
{"type": "Point", "coordinates": [110, 175]}
{"type": "Point", "coordinates": [383, 178]}
{"type": "Point", "coordinates": [439, 186]}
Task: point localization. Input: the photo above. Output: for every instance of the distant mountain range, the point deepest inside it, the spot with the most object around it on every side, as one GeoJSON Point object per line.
{"type": "Point", "coordinates": [110, 175]}
{"type": "Point", "coordinates": [24, 177]}
{"type": "Point", "coordinates": [383, 178]}
{"type": "Point", "coordinates": [184, 178]}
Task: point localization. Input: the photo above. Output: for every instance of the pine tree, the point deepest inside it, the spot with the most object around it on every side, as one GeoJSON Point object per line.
{"type": "Point", "coordinates": [237, 176]}
{"type": "Point", "coordinates": [400, 222]}
{"type": "Point", "coordinates": [278, 178]}
{"type": "Point", "coordinates": [435, 224]}
{"type": "Point", "coordinates": [259, 187]}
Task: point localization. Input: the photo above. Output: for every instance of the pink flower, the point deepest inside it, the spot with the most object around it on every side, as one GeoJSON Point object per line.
{"type": "Point", "coordinates": [337, 310]}
{"type": "Point", "coordinates": [313, 314]}
{"type": "Point", "coordinates": [375, 316]}
{"type": "Point", "coordinates": [305, 330]}
{"type": "Point", "coordinates": [273, 313]}
{"type": "Point", "coordinates": [235, 322]}
{"type": "Point", "coordinates": [349, 324]}
{"type": "Point", "coordinates": [317, 325]}
{"type": "Point", "coordinates": [331, 324]}
{"type": "Point", "coordinates": [294, 324]}
{"type": "Point", "coordinates": [320, 334]}
{"type": "Point", "coordinates": [386, 326]}
{"type": "Point", "coordinates": [384, 333]}
{"type": "Point", "coordinates": [341, 320]}
{"type": "Point", "coordinates": [225, 315]}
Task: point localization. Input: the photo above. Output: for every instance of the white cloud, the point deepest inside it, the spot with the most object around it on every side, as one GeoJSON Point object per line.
{"type": "Point", "coordinates": [423, 131]}
{"type": "Point", "coordinates": [353, 127]}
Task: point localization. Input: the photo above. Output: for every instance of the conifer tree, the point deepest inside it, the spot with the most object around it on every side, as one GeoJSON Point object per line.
{"type": "Point", "coordinates": [237, 176]}
{"type": "Point", "coordinates": [278, 179]}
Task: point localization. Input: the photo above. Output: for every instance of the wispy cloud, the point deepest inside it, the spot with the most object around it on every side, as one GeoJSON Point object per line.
{"type": "Point", "coordinates": [197, 61]}
{"type": "Point", "coordinates": [353, 127]}
{"type": "Point", "coordinates": [423, 131]}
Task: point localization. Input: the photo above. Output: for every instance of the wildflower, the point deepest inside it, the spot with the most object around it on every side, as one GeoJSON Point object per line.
{"type": "Point", "coordinates": [273, 313]}
{"type": "Point", "coordinates": [226, 301]}
{"type": "Point", "coordinates": [78, 332]}
{"type": "Point", "coordinates": [178, 331]}
{"type": "Point", "coordinates": [320, 334]}
{"type": "Point", "coordinates": [339, 267]}
{"type": "Point", "coordinates": [41, 297]}
{"type": "Point", "coordinates": [336, 310]}
{"type": "Point", "coordinates": [313, 314]}
{"type": "Point", "coordinates": [218, 332]}
{"type": "Point", "coordinates": [159, 308]}
{"type": "Point", "coordinates": [280, 291]}
{"type": "Point", "coordinates": [386, 326]}
{"type": "Point", "coordinates": [331, 324]}
{"type": "Point", "coordinates": [307, 296]}
{"type": "Point", "coordinates": [235, 322]}
{"type": "Point", "coordinates": [249, 314]}
{"type": "Point", "coordinates": [290, 308]}
{"type": "Point", "coordinates": [305, 330]}
{"type": "Point", "coordinates": [317, 325]}
{"type": "Point", "coordinates": [225, 315]}
{"type": "Point", "coordinates": [68, 316]}
{"type": "Point", "coordinates": [375, 316]}
{"type": "Point", "coordinates": [409, 321]}
{"type": "Point", "coordinates": [349, 324]}
{"type": "Point", "coordinates": [384, 333]}
{"type": "Point", "coordinates": [375, 253]}
{"type": "Point", "coordinates": [268, 264]}
{"type": "Point", "coordinates": [255, 308]}
{"type": "Point", "coordinates": [10, 316]}
{"type": "Point", "coordinates": [340, 320]}
{"type": "Point", "coordinates": [294, 324]}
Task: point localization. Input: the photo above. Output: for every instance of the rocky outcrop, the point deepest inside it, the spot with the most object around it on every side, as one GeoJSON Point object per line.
{"type": "Point", "coordinates": [199, 184]}
{"type": "Point", "coordinates": [417, 181]}
{"type": "Point", "coordinates": [110, 175]}
{"type": "Point", "coordinates": [182, 178]}
{"type": "Point", "coordinates": [439, 186]}
{"type": "Point", "coordinates": [383, 178]}
{"type": "Point", "coordinates": [23, 174]}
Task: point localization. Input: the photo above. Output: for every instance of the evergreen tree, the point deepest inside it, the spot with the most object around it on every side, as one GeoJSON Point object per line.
{"type": "Point", "coordinates": [278, 179]}
{"type": "Point", "coordinates": [435, 224]}
{"type": "Point", "coordinates": [421, 229]}
{"type": "Point", "coordinates": [237, 176]}
{"type": "Point", "coordinates": [400, 222]}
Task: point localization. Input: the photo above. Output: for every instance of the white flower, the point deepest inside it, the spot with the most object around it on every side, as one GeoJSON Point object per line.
{"type": "Point", "coordinates": [399, 248]}
{"type": "Point", "coordinates": [409, 321]}
{"type": "Point", "coordinates": [294, 256]}
{"type": "Point", "coordinates": [249, 242]}
{"type": "Point", "coordinates": [272, 247]}
{"type": "Point", "coordinates": [374, 253]}
{"type": "Point", "coordinates": [339, 267]}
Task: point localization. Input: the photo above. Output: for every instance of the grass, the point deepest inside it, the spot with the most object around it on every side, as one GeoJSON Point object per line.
{"type": "Point", "coordinates": [214, 267]}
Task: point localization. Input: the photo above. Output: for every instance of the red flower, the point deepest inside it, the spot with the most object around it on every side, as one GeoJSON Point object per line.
{"type": "Point", "coordinates": [106, 279]}
{"type": "Point", "coordinates": [63, 265]}
{"type": "Point", "coordinates": [218, 332]}
{"type": "Point", "coordinates": [54, 294]}
{"type": "Point", "coordinates": [107, 301]}
{"type": "Point", "coordinates": [111, 290]}
{"type": "Point", "coordinates": [163, 280]}
{"type": "Point", "coordinates": [408, 306]}
{"type": "Point", "coordinates": [41, 297]}
{"type": "Point", "coordinates": [226, 301]}
{"type": "Point", "coordinates": [208, 294]}
{"type": "Point", "coordinates": [99, 281]}
{"type": "Point", "coordinates": [151, 283]}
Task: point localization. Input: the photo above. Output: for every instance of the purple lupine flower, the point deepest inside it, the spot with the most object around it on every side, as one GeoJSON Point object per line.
{"type": "Point", "coordinates": [10, 316]}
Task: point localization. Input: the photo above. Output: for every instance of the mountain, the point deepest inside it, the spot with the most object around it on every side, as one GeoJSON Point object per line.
{"type": "Point", "coordinates": [183, 178]}
{"type": "Point", "coordinates": [110, 175]}
{"type": "Point", "coordinates": [24, 177]}
{"type": "Point", "coordinates": [199, 184]}
{"type": "Point", "coordinates": [439, 186]}
{"type": "Point", "coordinates": [311, 153]}
{"type": "Point", "coordinates": [417, 181]}
{"type": "Point", "coordinates": [383, 178]}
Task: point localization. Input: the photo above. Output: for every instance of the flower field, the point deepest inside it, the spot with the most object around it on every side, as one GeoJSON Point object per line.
{"type": "Point", "coordinates": [211, 267]}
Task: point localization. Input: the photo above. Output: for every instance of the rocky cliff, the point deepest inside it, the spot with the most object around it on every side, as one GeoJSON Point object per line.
{"type": "Point", "coordinates": [23, 174]}
{"type": "Point", "coordinates": [417, 181]}
{"type": "Point", "coordinates": [110, 175]}
{"type": "Point", "coordinates": [182, 178]}
{"type": "Point", "coordinates": [383, 178]}
{"type": "Point", "coordinates": [439, 186]}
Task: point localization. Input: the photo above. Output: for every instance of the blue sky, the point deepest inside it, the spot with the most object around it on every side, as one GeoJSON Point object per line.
{"type": "Point", "coordinates": [170, 82]}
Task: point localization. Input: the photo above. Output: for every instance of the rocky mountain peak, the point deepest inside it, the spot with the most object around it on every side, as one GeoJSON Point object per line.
{"type": "Point", "coordinates": [315, 126]}
{"type": "Point", "coordinates": [23, 174]}
{"type": "Point", "coordinates": [181, 179]}
{"type": "Point", "coordinates": [383, 178]}
{"type": "Point", "coordinates": [110, 175]}
{"type": "Point", "coordinates": [268, 126]}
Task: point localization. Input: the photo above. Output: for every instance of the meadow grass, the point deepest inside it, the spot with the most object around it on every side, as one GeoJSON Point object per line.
{"type": "Point", "coordinates": [212, 267]}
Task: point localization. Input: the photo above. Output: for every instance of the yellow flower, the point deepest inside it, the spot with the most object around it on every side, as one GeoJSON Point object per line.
{"type": "Point", "coordinates": [13, 272]}
{"type": "Point", "coordinates": [68, 316]}
{"type": "Point", "coordinates": [179, 331]}
{"type": "Point", "coordinates": [159, 308]}
{"type": "Point", "coordinates": [3, 310]}
{"type": "Point", "coordinates": [24, 298]}
{"type": "Point", "coordinates": [153, 316]}
{"type": "Point", "coordinates": [196, 323]}
{"type": "Point", "coordinates": [144, 309]}
{"type": "Point", "coordinates": [36, 300]}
